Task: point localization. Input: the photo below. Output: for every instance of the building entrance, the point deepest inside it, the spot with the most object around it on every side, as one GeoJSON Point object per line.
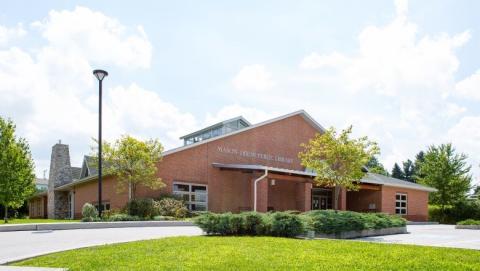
{"type": "Point", "coordinates": [321, 199]}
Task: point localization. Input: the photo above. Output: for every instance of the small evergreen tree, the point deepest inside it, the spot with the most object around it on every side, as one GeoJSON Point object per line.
{"type": "Point", "coordinates": [409, 171]}
{"type": "Point", "coordinates": [397, 172]}
{"type": "Point", "coordinates": [375, 166]}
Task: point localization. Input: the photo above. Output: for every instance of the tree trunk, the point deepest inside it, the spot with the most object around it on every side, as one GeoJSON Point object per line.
{"type": "Point", "coordinates": [5, 218]}
{"type": "Point", "coordinates": [129, 191]}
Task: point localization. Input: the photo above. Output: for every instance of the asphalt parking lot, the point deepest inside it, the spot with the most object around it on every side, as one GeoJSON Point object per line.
{"type": "Point", "coordinates": [433, 235]}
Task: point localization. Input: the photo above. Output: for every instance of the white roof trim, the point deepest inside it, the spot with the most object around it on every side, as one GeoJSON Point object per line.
{"type": "Point", "coordinates": [260, 167]}
{"type": "Point", "coordinates": [304, 114]}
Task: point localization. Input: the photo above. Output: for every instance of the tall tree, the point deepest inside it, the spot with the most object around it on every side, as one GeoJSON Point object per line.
{"type": "Point", "coordinates": [409, 171]}
{"type": "Point", "coordinates": [133, 162]}
{"type": "Point", "coordinates": [419, 158]}
{"type": "Point", "coordinates": [16, 168]}
{"type": "Point", "coordinates": [397, 172]}
{"type": "Point", "coordinates": [375, 166]}
{"type": "Point", "coordinates": [448, 172]}
{"type": "Point", "coordinates": [338, 159]}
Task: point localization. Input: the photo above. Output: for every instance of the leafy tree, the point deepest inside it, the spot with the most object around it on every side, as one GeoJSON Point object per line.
{"type": "Point", "coordinates": [448, 172]}
{"type": "Point", "coordinates": [409, 171]}
{"type": "Point", "coordinates": [133, 162]}
{"type": "Point", "coordinates": [16, 168]}
{"type": "Point", "coordinates": [397, 172]}
{"type": "Point", "coordinates": [375, 166]}
{"type": "Point", "coordinates": [338, 159]}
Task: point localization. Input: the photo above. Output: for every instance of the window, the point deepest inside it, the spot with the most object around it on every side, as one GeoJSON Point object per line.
{"type": "Point", "coordinates": [105, 206]}
{"type": "Point", "coordinates": [194, 195]}
{"type": "Point", "coordinates": [401, 204]}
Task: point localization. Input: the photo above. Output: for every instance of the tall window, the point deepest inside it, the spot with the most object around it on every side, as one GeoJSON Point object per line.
{"type": "Point", "coordinates": [401, 203]}
{"type": "Point", "coordinates": [194, 195]}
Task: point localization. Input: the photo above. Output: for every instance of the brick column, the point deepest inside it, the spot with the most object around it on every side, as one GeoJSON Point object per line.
{"type": "Point", "coordinates": [304, 196]}
{"type": "Point", "coordinates": [262, 194]}
{"type": "Point", "coordinates": [342, 204]}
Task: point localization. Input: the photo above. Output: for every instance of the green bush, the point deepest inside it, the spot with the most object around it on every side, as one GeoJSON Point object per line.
{"type": "Point", "coordinates": [143, 208]}
{"type": "Point", "coordinates": [463, 210]}
{"type": "Point", "coordinates": [286, 224]}
{"type": "Point", "coordinates": [329, 221]}
{"type": "Point", "coordinates": [89, 213]}
{"type": "Point", "coordinates": [253, 223]}
{"type": "Point", "coordinates": [469, 222]}
{"type": "Point", "coordinates": [163, 218]}
{"type": "Point", "coordinates": [123, 217]}
{"type": "Point", "coordinates": [168, 206]}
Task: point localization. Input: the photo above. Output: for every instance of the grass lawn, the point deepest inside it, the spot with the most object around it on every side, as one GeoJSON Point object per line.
{"type": "Point", "coordinates": [258, 253]}
{"type": "Point", "coordinates": [36, 220]}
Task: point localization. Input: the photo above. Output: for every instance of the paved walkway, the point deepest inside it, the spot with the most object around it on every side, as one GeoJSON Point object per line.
{"type": "Point", "coordinates": [433, 235]}
{"type": "Point", "coordinates": [25, 244]}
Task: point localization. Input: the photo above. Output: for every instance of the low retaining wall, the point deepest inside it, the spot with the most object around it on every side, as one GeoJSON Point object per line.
{"type": "Point", "coordinates": [468, 227]}
{"type": "Point", "coordinates": [363, 233]}
{"type": "Point", "coordinates": [91, 225]}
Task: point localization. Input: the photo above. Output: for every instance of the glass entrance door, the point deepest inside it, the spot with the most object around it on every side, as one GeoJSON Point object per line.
{"type": "Point", "coordinates": [321, 199]}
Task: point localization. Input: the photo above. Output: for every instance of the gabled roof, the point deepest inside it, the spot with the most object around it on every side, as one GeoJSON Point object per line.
{"type": "Point", "coordinates": [301, 113]}
{"type": "Point", "coordinates": [76, 171]}
{"type": "Point", "coordinates": [375, 178]}
{"type": "Point", "coordinates": [88, 167]}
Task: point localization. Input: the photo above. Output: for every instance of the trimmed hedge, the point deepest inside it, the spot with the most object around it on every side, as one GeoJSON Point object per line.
{"type": "Point", "coordinates": [469, 222]}
{"type": "Point", "coordinates": [289, 224]}
{"type": "Point", "coordinates": [251, 223]}
{"type": "Point", "coordinates": [329, 221]}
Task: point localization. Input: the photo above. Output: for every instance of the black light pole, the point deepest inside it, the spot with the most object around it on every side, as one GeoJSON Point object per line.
{"type": "Point", "coordinates": [100, 74]}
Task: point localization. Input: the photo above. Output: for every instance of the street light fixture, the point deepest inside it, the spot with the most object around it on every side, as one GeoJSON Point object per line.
{"type": "Point", "coordinates": [100, 75]}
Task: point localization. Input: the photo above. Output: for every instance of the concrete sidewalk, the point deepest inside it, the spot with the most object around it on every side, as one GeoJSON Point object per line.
{"type": "Point", "coordinates": [433, 235]}
{"type": "Point", "coordinates": [26, 244]}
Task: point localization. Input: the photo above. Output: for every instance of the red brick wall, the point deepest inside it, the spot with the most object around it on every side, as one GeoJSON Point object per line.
{"type": "Point", "coordinates": [359, 201]}
{"type": "Point", "coordinates": [417, 202]}
{"type": "Point", "coordinates": [227, 190]}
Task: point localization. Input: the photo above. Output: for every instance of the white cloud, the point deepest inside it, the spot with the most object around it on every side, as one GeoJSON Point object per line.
{"type": "Point", "coordinates": [316, 61]}
{"type": "Point", "coordinates": [465, 136]}
{"type": "Point", "coordinates": [253, 115]}
{"type": "Point", "coordinates": [51, 94]}
{"type": "Point", "coordinates": [469, 87]}
{"type": "Point", "coordinates": [7, 34]}
{"type": "Point", "coordinates": [253, 77]}
{"type": "Point", "coordinates": [101, 39]}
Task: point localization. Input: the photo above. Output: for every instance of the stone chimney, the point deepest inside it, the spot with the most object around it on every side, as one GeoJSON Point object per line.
{"type": "Point", "coordinates": [60, 174]}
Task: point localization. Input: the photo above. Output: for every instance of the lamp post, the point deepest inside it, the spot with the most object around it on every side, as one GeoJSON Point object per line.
{"type": "Point", "coordinates": [100, 74]}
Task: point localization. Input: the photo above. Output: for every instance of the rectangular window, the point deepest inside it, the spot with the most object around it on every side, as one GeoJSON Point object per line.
{"type": "Point", "coordinates": [400, 203]}
{"type": "Point", "coordinates": [194, 195]}
{"type": "Point", "coordinates": [105, 206]}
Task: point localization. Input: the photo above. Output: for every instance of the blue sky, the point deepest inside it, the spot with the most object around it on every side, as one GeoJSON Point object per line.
{"type": "Point", "coordinates": [403, 73]}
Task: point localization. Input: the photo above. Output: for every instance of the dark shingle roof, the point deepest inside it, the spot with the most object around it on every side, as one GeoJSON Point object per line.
{"type": "Point", "coordinates": [76, 172]}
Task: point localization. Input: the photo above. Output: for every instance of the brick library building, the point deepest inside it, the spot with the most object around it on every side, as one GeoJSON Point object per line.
{"type": "Point", "coordinates": [233, 166]}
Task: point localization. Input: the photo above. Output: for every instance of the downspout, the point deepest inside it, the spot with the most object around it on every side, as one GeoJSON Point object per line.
{"type": "Point", "coordinates": [255, 189]}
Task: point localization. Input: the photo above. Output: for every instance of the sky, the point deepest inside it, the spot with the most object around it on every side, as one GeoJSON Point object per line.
{"type": "Point", "coordinates": [405, 74]}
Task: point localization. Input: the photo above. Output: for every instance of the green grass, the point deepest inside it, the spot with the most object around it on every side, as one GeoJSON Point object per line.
{"type": "Point", "coordinates": [36, 220]}
{"type": "Point", "coordinates": [258, 253]}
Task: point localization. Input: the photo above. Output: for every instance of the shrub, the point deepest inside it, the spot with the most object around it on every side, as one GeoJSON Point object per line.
{"type": "Point", "coordinates": [253, 223]}
{"type": "Point", "coordinates": [330, 221]}
{"type": "Point", "coordinates": [123, 217]}
{"type": "Point", "coordinates": [144, 208]}
{"type": "Point", "coordinates": [168, 206]}
{"type": "Point", "coordinates": [468, 209]}
{"type": "Point", "coordinates": [286, 224]}
{"type": "Point", "coordinates": [163, 218]}
{"type": "Point", "coordinates": [469, 222]}
{"type": "Point", "coordinates": [89, 213]}
{"type": "Point", "coordinates": [208, 222]}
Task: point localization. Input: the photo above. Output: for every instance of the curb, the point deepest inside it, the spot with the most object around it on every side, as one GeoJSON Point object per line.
{"type": "Point", "coordinates": [467, 227]}
{"type": "Point", "coordinates": [92, 225]}
{"type": "Point", "coordinates": [363, 233]}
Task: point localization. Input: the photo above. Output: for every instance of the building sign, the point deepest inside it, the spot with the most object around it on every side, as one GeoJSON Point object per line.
{"type": "Point", "coordinates": [252, 154]}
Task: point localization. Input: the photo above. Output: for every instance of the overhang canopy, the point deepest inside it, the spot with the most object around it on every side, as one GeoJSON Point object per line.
{"type": "Point", "coordinates": [369, 178]}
